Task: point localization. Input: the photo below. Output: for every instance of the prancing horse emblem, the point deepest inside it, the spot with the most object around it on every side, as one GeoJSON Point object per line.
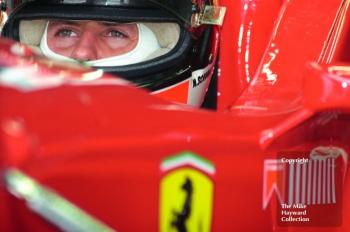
{"type": "Point", "coordinates": [180, 218]}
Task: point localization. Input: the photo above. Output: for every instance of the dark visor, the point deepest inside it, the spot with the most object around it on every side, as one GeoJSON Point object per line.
{"type": "Point", "coordinates": [121, 3]}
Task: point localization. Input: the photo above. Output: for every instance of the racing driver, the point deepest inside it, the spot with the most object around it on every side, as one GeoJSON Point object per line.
{"type": "Point", "coordinates": [164, 46]}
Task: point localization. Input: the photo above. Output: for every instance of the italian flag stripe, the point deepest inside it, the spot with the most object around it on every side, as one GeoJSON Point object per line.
{"type": "Point", "coordinates": [188, 158]}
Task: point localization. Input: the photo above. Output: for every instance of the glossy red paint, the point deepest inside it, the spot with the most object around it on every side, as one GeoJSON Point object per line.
{"type": "Point", "coordinates": [101, 143]}
{"type": "Point", "coordinates": [246, 31]}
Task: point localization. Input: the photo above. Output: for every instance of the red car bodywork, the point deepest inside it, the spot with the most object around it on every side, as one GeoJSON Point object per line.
{"type": "Point", "coordinates": [106, 146]}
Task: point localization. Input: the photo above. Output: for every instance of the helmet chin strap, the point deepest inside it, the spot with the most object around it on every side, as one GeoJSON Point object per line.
{"type": "Point", "coordinates": [147, 44]}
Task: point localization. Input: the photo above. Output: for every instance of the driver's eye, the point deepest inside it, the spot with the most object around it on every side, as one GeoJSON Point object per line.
{"type": "Point", "coordinates": [117, 34]}
{"type": "Point", "coordinates": [65, 33]}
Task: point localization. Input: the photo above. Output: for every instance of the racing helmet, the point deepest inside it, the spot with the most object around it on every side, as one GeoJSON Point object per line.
{"type": "Point", "coordinates": [176, 48]}
{"type": "Point", "coordinates": [3, 14]}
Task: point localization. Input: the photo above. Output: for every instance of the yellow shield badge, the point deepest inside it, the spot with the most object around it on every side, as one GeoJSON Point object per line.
{"type": "Point", "coordinates": [186, 194]}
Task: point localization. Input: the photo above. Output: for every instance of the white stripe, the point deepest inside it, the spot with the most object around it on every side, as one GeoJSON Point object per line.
{"type": "Point", "coordinates": [314, 183]}
{"type": "Point", "coordinates": [271, 166]}
{"type": "Point", "coordinates": [324, 183]}
{"type": "Point", "coordinates": [291, 184]}
{"type": "Point", "coordinates": [328, 181]}
{"type": "Point", "coordinates": [319, 179]}
{"type": "Point", "coordinates": [333, 182]}
{"type": "Point", "coordinates": [309, 182]}
{"type": "Point", "coordinates": [303, 188]}
{"type": "Point", "coordinates": [297, 184]}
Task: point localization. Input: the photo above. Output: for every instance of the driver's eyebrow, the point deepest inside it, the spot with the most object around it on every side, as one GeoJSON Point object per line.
{"type": "Point", "coordinates": [109, 24]}
{"type": "Point", "coordinates": [65, 22]}
{"type": "Point", "coordinates": [77, 23]}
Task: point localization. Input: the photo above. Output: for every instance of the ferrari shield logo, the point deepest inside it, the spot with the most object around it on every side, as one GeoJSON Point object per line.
{"type": "Point", "coordinates": [186, 194]}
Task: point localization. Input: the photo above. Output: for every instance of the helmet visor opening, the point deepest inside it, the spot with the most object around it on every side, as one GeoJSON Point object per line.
{"type": "Point", "coordinates": [99, 43]}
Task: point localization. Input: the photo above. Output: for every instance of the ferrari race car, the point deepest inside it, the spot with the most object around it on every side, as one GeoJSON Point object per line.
{"type": "Point", "coordinates": [84, 150]}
